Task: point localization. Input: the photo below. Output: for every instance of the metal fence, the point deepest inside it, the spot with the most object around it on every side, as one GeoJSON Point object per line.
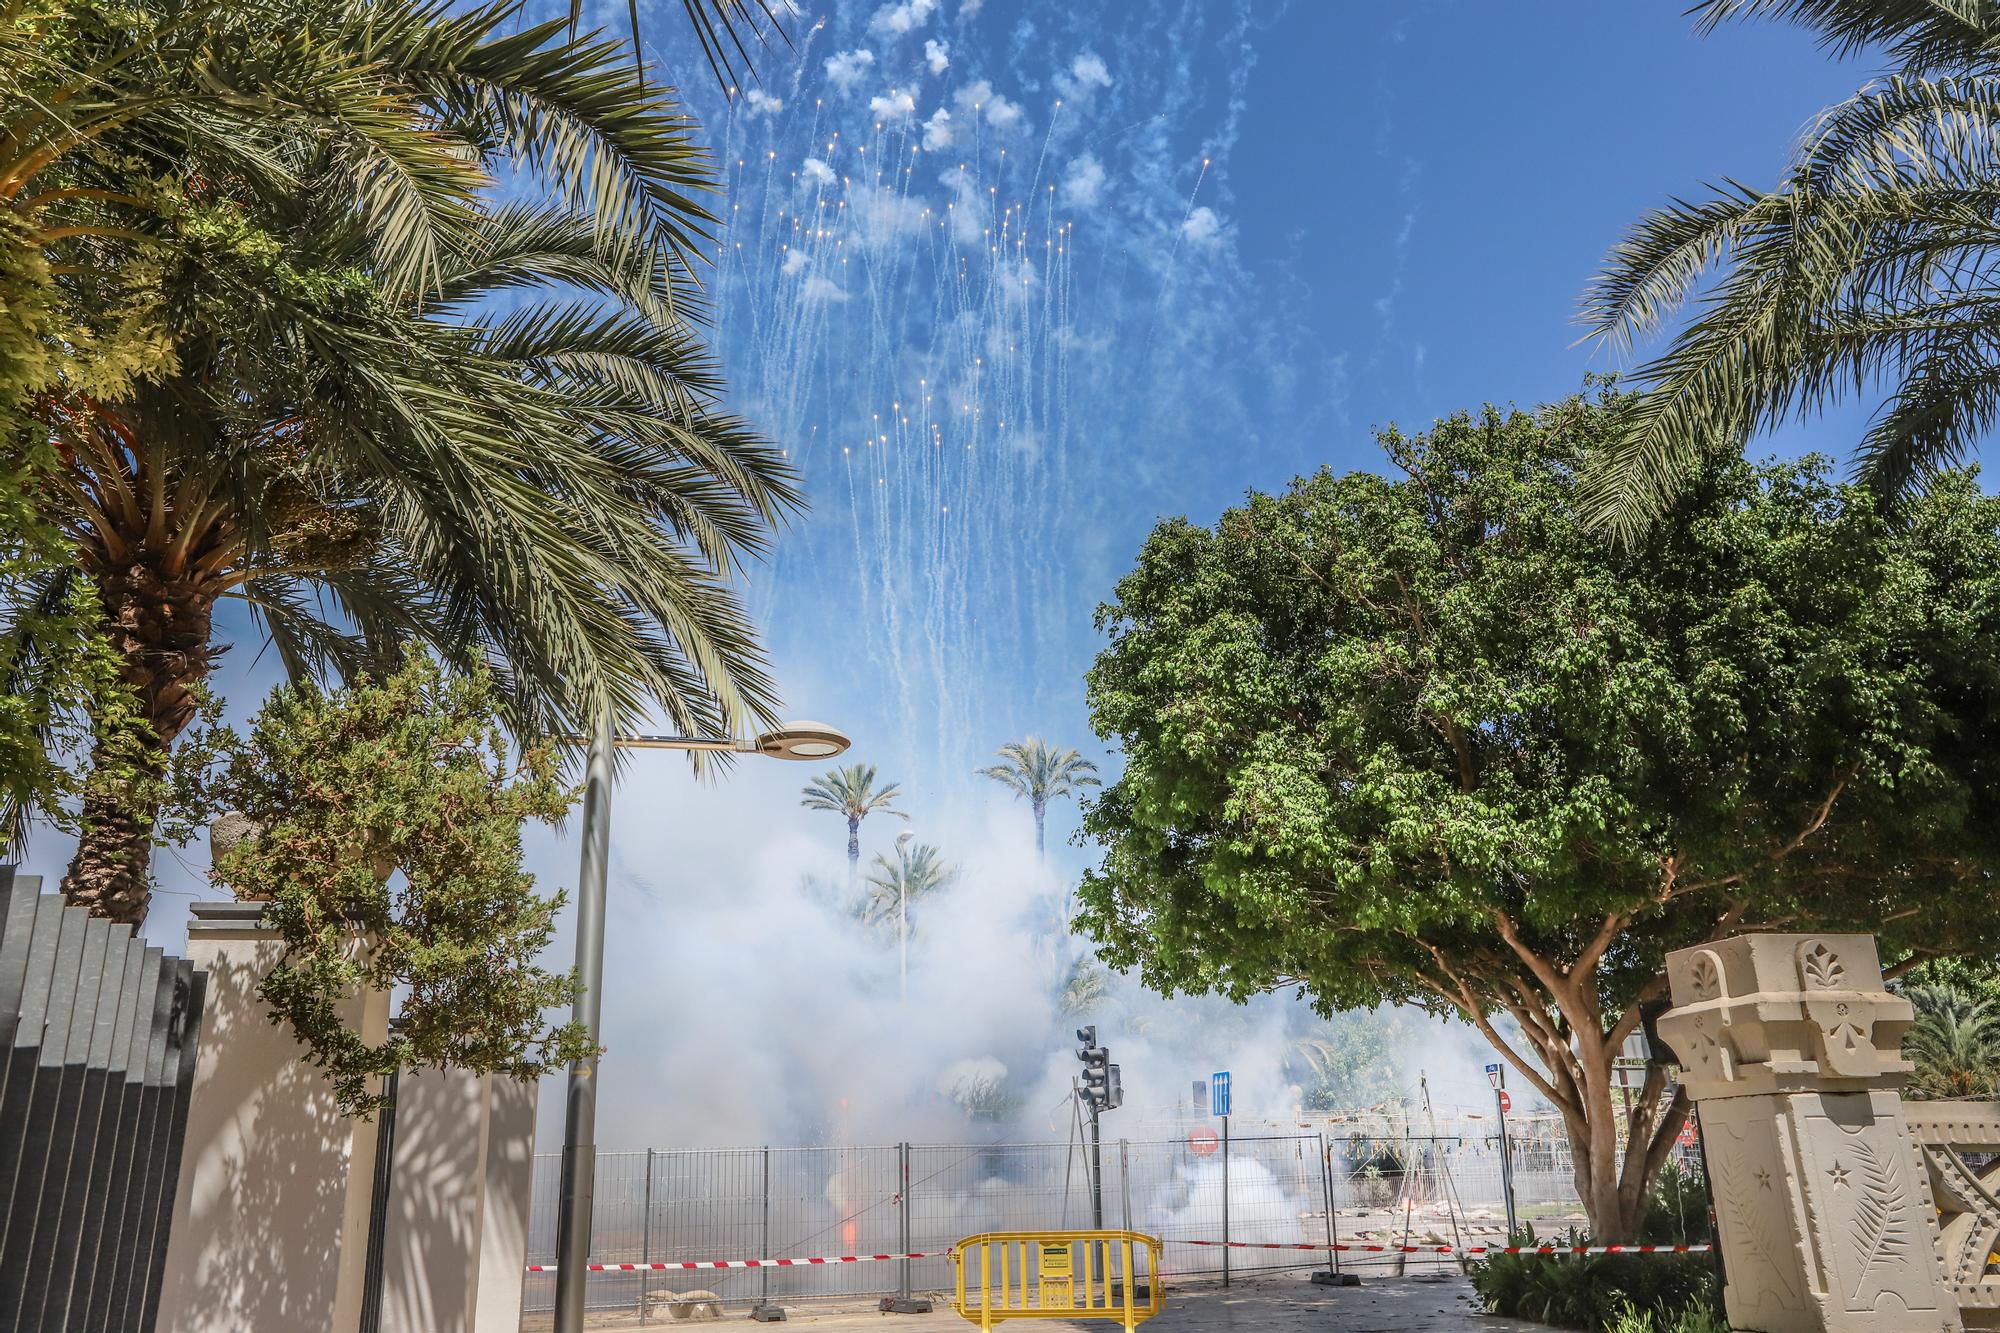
{"type": "Point", "coordinates": [1271, 1186]}
{"type": "Point", "coordinates": [97, 1045]}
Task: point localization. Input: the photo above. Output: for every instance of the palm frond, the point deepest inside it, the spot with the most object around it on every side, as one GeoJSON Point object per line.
{"type": "Point", "coordinates": [1920, 35]}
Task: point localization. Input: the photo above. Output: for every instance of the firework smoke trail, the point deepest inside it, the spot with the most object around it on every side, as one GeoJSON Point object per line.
{"type": "Point", "coordinates": [938, 287]}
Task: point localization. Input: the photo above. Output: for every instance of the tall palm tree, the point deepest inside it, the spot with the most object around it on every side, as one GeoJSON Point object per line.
{"type": "Point", "coordinates": [1872, 261]}
{"type": "Point", "coordinates": [1954, 1043]}
{"type": "Point", "coordinates": [917, 872]}
{"type": "Point", "coordinates": [338, 430]}
{"type": "Point", "coordinates": [1040, 772]}
{"type": "Point", "coordinates": [851, 792]}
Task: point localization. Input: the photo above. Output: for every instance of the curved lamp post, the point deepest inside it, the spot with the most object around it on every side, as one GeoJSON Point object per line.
{"type": "Point", "coordinates": [806, 741]}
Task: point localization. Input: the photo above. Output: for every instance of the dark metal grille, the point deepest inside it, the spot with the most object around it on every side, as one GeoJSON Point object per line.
{"type": "Point", "coordinates": [97, 1049]}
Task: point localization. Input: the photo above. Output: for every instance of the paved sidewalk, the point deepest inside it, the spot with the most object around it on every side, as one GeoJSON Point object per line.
{"type": "Point", "coordinates": [1267, 1305]}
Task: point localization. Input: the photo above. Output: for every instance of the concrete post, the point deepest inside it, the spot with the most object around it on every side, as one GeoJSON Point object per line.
{"type": "Point", "coordinates": [270, 1212]}
{"type": "Point", "coordinates": [457, 1236]}
{"type": "Point", "coordinates": [1790, 1048]}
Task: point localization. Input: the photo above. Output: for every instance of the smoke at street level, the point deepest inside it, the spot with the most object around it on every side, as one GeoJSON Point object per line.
{"type": "Point", "coordinates": [746, 1004]}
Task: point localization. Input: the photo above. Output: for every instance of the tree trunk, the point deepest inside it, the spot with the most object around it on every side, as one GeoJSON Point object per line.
{"type": "Point", "coordinates": [1041, 813]}
{"type": "Point", "coordinates": [159, 625]}
{"type": "Point", "coordinates": [853, 849]}
{"type": "Point", "coordinates": [1616, 1187]}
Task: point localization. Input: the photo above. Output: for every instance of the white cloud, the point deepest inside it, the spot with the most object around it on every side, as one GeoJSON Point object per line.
{"type": "Point", "coordinates": [1082, 182]}
{"type": "Point", "coordinates": [817, 172]}
{"type": "Point", "coordinates": [937, 55]}
{"type": "Point", "coordinates": [901, 16]}
{"type": "Point", "coordinates": [794, 261]}
{"type": "Point", "coordinates": [846, 68]}
{"type": "Point", "coordinates": [762, 103]}
{"type": "Point", "coordinates": [1202, 225]}
{"type": "Point", "coordinates": [937, 130]}
{"type": "Point", "coordinates": [1086, 74]}
{"type": "Point", "coordinates": [970, 7]}
{"type": "Point", "coordinates": [817, 288]}
{"type": "Point", "coordinates": [978, 98]}
{"type": "Point", "coordinates": [893, 105]}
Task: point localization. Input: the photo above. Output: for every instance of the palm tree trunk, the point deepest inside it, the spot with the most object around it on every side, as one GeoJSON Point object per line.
{"type": "Point", "coordinates": [1041, 813]}
{"type": "Point", "coordinates": [853, 851]}
{"type": "Point", "coordinates": [160, 626]}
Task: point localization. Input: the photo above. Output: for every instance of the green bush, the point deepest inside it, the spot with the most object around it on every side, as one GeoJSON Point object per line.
{"type": "Point", "coordinates": [1694, 1319]}
{"type": "Point", "coordinates": [1597, 1291]}
{"type": "Point", "coordinates": [1618, 1293]}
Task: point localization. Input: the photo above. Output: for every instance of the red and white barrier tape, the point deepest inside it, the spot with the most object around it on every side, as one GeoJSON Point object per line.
{"type": "Point", "coordinates": [747, 1263]}
{"type": "Point", "coordinates": [1458, 1249]}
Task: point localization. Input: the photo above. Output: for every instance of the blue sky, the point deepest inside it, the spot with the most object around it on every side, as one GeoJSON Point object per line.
{"type": "Point", "coordinates": [1003, 337]}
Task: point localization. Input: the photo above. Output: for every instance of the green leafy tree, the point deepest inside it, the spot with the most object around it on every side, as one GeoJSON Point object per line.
{"type": "Point", "coordinates": [1869, 263]}
{"type": "Point", "coordinates": [1039, 772]}
{"type": "Point", "coordinates": [333, 425]}
{"type": "Point", "coordinates": [1346, 1062]}
{"type": "Point", "coordinates": [1428, 738]}
{"type": "Point", "coordinates": [851, 793]}
{"type": "Point", "coordinates": [1954, 1043]}
{"type": "Point", "coordinates": [382, 825]}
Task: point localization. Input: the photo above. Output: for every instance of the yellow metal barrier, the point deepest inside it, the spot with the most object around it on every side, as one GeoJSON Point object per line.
{"type": "Point", "coordinates": [1057, 1275]}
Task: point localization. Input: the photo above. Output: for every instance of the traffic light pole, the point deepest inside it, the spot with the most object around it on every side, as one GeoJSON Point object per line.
{"type": "Point", "coordinates": [1096, 1172]}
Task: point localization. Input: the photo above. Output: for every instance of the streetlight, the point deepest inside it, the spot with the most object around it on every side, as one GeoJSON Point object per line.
{"type": "Point", "coordinates": [903, 913]}
{"type": "Point", "coordinates": [805, 741]}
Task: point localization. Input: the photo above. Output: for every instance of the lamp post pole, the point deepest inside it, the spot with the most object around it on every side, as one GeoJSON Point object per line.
{"type": "Point", "coordinates": [579, 1154]}
{"type": "Point", "coordinates": [792, 740]}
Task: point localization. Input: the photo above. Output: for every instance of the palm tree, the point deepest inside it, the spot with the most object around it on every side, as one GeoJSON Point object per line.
{"type": "Point", "coordinates": [1954, 1043]}
{"type": "Point", "coordinates": [334, 429]}
{"type": "Point", "coordinates": [1040, 772]}
{"type": "Point", "coordinates": [1872, 260]}
{"type": "Point", "coordinates": [851, 791]}
{"type": "Point", "coordinates": [917, 872]}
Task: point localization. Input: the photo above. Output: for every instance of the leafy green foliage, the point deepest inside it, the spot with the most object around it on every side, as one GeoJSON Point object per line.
{"type": "Point", "coordinates": [1954, 1043]}
{"type": "Point", "coordinates": [385, 833]}
{"type": "Point", "coordinates": [1620, 1293]}
{"type": "Point", "coordinates": [1600, 1291]}
{"type": "Point", "coordinates": [1870, 263]}
{"type": "Point", "coordinates": [1429, 738]}
{"type": "Point", "coordinates": [276, 227]}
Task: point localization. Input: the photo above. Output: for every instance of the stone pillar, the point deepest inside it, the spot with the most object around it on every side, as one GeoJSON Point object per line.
{"type": "Point", "coordinates": [456, 1245]}
{"type": "Point", "coordinates": [1790, 1047]}
{"type": "Point", "coordinates": [271, 1211]}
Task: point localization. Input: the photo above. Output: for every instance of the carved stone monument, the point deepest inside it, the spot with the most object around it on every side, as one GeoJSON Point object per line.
{"type": "Point", "coordinates": [1790, 1047]}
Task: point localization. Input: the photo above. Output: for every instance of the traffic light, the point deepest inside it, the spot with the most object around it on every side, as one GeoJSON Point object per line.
{"type": "Point", "coordinates": [1100, 1077]}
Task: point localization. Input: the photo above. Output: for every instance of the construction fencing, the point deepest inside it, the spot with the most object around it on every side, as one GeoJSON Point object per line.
{"type": "Point", "coordinates": [757, 1203]}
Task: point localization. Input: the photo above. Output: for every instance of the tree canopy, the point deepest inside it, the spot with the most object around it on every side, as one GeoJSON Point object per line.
{"type": "Point", "coordinates": [382, 822]}
{"type": "Point", "coordinates": [1427, 737]}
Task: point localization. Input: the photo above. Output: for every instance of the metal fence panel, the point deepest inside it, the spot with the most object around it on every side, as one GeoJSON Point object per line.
{"type": "Point", "coordinates": [97, 1044]}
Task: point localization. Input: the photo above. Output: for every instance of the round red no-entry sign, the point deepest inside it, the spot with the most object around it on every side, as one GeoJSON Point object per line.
{"type": "Point", "coordinates": [1506, 1102]}
{"type": "Point", "coordinates": [1203, 1141]}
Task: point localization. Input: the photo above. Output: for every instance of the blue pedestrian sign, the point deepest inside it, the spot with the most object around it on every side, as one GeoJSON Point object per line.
{"type": "Point", "coordinates": [1218, 1093]}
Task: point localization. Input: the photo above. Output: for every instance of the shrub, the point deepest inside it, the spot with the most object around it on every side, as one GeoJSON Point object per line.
{"type": "Point", "coordinates": [1618, 1293]}
{"type": "Point", "coordinates": [1597, 1291]}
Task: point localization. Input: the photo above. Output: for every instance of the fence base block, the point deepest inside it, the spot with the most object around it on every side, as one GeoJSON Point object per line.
{"type": "Point", "coordinates": [1325, 1278]}
{"type": "Point", "coordinates": [906, 1305]}
{"type": "Point", "coordinates": [768, 1314]}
